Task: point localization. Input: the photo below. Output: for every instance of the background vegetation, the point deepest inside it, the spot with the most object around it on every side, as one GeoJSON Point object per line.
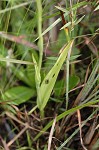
{"type": "Point", "coordinates": [49, 71]}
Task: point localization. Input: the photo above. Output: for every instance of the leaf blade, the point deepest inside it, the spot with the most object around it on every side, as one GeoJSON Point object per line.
{"type": "Point", "coordinates": [19, 94]}
{"type": "Point", "coordinates": [50, 79]}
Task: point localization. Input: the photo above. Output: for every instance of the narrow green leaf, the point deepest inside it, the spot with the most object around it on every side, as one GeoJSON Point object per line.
{"type": "Point", "coordinates": [37, 79]}
{"type": "Point", "coordinates": [37, 73]}
{"type": "Point", "coordinates": [79, 20]}
{"type": "Point", "coordinates": [52, 58]}
{"type": "Point", "coordinates": [9, 60]}
{"type": "Point", "coordinates": [74, 7]}
{"type": "Point", "coordinates": [62, 9]}
{"type": "Point", "coordinates": [49, 28]}
{"type": "Point", "coordinates": [50, 79]}
{"type": "Point", "coordinates": [74, 57]}
{"type": "Point", "coordinates": [66, 25]}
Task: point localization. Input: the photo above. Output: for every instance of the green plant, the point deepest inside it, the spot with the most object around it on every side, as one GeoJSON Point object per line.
{"type": "Point", "coordinates": [40, 70]}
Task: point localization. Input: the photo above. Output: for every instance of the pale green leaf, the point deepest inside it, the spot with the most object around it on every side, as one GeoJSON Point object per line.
{"type": "Point", "coordinates": [97, 8]}
{"type": "Point", "coordinates": [19, 94]}
{"type": "Point", "coordinates": [37, 73]}
{"type": "Point", "coordinates": [74, 57]}
{"type": "Point", "coordinates": [9, 60]}
{"type": "Point", "coordinates": [50, 27]}
{"type": "Point", "coordinates": [52, 58]}
{"type": "Point", "coordinates": [50, 79]}
{"type": "Point", "coordinates": [79, 20]}
{"type": "Point", "coordinates": [74, 7]}
{"type": "Point", "coordinates": [62, 9]}
{"type": "Point", "coordinates": [66, 25]}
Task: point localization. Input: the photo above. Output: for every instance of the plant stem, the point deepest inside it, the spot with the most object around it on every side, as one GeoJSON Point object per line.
{"type": "Point", "coordinates": [67, 61]}
{"type": "Point", "coordinates": [67, 68]}
{"type": "Point", "coordinates": [67, 76]}
{"type": "Point", "coordinates": [40, 43]}
{"type": "Point", "coordinates": [67, 82]}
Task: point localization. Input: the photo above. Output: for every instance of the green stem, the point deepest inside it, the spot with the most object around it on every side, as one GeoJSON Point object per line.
{"type": "Point", "coordinates": [67, 82]}
{"type": "Point", "coordinates": [40, 43]}
{"type": "Point", "coordinates": [67, 69]}
{"type": "Point", "coordinates": [67, 76]}
{"type": "Point", "coordinates": [67, 64]}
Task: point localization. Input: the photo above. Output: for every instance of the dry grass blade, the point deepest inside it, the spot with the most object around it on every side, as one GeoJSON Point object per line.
{"type": "Point", "coordinates": [18, 39]}
{"type": "Point", "coordinates": [51, 134]}
{"type": "Point", "coordinates": [90, 133]}
{"type": "Point", "coordinates": [4, 144]}
{"type": "Point", "coordinates": [20, 122]}
{"type": "Point", "coordinates": [17, 136]}
{"type": "Point", "coordinates": [14, 118]}
{"type": "Point", "coordinates": [97, 127]}
{"type": "Point", "coordinates": [91, 46]}
{"type": "Point", "coordinates": [80, 128]}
